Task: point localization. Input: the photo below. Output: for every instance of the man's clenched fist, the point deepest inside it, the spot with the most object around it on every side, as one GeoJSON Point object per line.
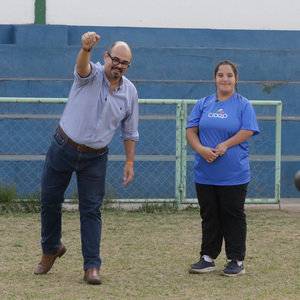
{"type": "Point", "coordinates": [89, 40]}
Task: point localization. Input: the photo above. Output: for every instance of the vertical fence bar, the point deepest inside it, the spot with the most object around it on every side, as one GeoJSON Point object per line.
{"type": "Point", "coordinates": [178, 155]}
{"type": "Point", "coordinates": [183, 152]}
{"type": "Point", "coordinates": [278, 152]}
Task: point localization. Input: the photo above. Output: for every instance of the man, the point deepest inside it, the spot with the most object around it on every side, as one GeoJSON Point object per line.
{"type": "Point", "coordinates": [100, 99]}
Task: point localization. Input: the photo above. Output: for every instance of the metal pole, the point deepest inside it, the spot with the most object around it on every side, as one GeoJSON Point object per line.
{"type": "Point", "coordinates": [278, 152]}
{"type": "Point", "coordinates": [183, 151]}
{"type": "Point", "coordinates": [178, 155]}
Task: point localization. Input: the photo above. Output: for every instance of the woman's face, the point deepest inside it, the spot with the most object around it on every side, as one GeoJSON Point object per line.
{"type": "Point", "coordinates": [225, 80]}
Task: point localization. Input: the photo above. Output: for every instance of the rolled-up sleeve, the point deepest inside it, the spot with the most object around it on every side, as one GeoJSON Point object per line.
{"type": "Point", "coordinates": [129, 127]}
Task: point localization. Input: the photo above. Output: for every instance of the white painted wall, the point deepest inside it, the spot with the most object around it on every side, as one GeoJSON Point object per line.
{"type": "Point", "coordinates": [212, 14]}
{"type": "Point", "coordinates": [17, 11]}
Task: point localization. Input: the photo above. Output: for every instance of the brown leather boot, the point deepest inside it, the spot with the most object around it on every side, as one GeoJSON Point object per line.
{"type": "Point", "coordinates": [91, 276]}
{"type": "Point", "coordinates": [48, 260]}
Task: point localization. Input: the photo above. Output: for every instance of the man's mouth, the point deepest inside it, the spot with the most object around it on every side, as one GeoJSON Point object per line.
{"type": "Point", "coordinates": [117, 69]}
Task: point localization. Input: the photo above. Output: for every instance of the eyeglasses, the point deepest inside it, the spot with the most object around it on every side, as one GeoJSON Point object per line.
{"type": "Point", "coordinates": [116, 61]}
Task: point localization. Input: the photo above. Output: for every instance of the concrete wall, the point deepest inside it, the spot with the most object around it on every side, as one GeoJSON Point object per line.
{"type": "Point", "coordinates": [38, 61]}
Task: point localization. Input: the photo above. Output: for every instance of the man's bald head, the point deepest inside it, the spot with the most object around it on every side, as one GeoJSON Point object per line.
{"type": "Point", "coordinates": [121, 46]}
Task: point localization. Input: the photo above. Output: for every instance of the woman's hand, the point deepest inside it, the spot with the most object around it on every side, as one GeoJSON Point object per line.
{"type": "Point", "coordinates": [221, 149]}
{"type": "Point", "coordinates": [209, 154]}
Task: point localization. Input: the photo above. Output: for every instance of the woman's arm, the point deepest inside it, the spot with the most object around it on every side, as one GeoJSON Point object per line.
{"type": "Point", "coordinates": [192, 137]}
{"type": "Point", "coordinates": [238, 138]}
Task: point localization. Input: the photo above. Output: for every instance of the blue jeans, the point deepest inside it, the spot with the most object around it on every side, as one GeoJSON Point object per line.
{"type": "Point", "coordinates": [223, 217]}
{"type": "Point", "coordinates": [61, 161]}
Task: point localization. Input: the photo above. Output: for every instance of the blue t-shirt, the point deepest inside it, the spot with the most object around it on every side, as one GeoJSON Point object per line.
{"type": "Point", "coordinates": [217, 122]}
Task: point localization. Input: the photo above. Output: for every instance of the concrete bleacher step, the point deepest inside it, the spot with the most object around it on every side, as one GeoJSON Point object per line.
{"type": "Point", "coordinates": [148, 63]}
{"type": "Point", "coordinates": [49, 52]}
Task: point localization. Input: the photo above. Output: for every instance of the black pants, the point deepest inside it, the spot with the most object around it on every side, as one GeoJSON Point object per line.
{"type": "Point", "coordinates": [223, 216]}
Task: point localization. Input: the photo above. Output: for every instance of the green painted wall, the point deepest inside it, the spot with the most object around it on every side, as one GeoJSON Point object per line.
{"type": "Point", "coordinates": [40, 12]}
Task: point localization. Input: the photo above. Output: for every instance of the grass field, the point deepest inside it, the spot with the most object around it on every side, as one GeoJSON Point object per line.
{"type": "Point", "coordinates": [146, 256]}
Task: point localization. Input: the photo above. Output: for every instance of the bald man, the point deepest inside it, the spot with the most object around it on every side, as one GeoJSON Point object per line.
{"type": "Point", "coordinates": [101, 99]}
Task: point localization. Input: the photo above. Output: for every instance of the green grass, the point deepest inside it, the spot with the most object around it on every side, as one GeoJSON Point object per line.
{"type": "Point", "coordinates": [7, 193]}
{"type": "Point", "coordinates": [146, 255]}
{"type": "Point", "coordinates": [11, 201]}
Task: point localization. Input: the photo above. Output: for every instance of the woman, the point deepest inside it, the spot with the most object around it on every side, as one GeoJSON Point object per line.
{"type": "Point", "coordinates": [217, 130]}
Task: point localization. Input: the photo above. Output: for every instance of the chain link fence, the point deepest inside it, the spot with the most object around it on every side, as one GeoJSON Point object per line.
{"type": "Point", "coordinates": [163, 161]}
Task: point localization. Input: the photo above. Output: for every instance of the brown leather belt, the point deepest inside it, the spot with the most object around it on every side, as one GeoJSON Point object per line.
{"type": "Point", "coordinates": [79, 147]}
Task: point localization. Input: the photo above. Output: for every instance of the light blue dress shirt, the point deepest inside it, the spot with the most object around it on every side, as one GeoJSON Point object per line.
{"type": "Point", "coordinates": [93, 114]}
